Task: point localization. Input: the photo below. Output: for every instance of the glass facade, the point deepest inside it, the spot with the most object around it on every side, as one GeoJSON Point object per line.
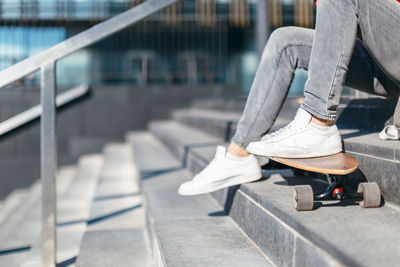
{"type": "Point", "coordinates": [62, 9]}
{"type": "Point", "coordinates": [192, 42]}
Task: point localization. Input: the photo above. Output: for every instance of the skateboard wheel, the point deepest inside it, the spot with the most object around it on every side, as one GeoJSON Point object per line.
{"type": "Point", "coordinates": [303, 197]}
{"type": "Point", "coordinates": [371, 194]}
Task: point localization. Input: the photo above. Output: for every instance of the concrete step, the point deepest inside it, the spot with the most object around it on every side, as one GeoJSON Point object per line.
{"type": "Point", "coordinates": [116, 234]}
{"type": "Point", "coordinates": [379, 161]}
{"type": "Point", "coordinates": [364, 145]}
{"type": "Point", "coordinates": [331, 235]}
{"type": "Point", "coordinates": [236, 104]}
{"type": "Point", "coordinates": [369, 114]}
{"type": "Point", "coordinates": [187, 138]}
{"type": "Point", "coordinates": [213, 117]}
{"type": "Point", "coordinates": [73, 209]}
{"type": "Point", "coordinates": [366, 114]}
{"type": "Point", "coordinates": [186, 231]}
{"type": "Point", "coordinates": [20, 228]}
{"type": "Point", "coordinates": [221, 124]}
{"type": "Point", "coordinates": [12, 201]}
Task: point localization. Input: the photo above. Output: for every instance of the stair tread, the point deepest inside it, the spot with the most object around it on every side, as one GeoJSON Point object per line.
{"type": "Point", "coordinates": [365, 145]}
{"type": "Point", "coordinates": [12, 201]}
{"type": "Point", "coordinates": [72, 211]}
{"type": "Point", "coordinates": [123, 247]}
{"type": "Point", "coordinates": [161, 160]}
{"type": "Point", "coordinates": [215, 240]}
{"type": "Point", "coordinates": [24, 225]}
{"type": "Point", "coordinates": [345, 224]}
{"type": "Point", "coordinates": [189, 137]}
{"type": "Point", "coordinates": [369, 143]}
{"type": "Point", "coordinates": [360, 141]}
{"type": "Point", "coordinates": [116, 228]}
{"type": "Point", "coordinates": [27, 213]}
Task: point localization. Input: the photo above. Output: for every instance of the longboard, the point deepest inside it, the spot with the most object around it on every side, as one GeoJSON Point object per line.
{"type": "Point", "coordinates": [336, 167]}
{"type": "Point", "coordinates": [337, 164]}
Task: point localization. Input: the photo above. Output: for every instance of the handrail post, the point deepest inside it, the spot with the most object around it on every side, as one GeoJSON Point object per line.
{"type": "Point", "coordinates": [48, 164]}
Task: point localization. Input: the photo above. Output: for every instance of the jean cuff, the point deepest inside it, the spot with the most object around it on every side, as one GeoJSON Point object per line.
{"type": "Point", "coordinates": [323, 116]}
{"type": "Point", "coordinates": [237, 140]}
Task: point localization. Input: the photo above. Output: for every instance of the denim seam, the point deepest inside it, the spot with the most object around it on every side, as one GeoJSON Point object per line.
{"type": "Point", "coordinates": [336, 71]}
{"type": "Point", "coordinates": [273, 77]}
{"type": "Point", "coordinates": [334, 80]}
{"type": "Point", "coordinates": [317, 113]}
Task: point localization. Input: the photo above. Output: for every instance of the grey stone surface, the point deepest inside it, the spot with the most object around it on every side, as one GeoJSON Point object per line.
{"type": "Point", "coordinates": [367, 114]}
{"type": "Point", "coordinates": [354, 234]}
{"type": "Point", "coordinates": [379, 160]}
{"type": "Point", "coordinates": [86, 126]}
{"type": "Point", "coordinates": [117, 203]}
{"type": "Point", "coordinates": [188, 231]}
{"type": "Point", "coordinates": [161, 157]}
{"type": "Point", "coordinates": [236, 104]}
{"type": "Point", "coordinates": [384, 172]}
{"type": "Point", "coordinates": [103, 120]}
{"type": "Point", "coordinates": [114, 248]}
{"type": "Point", "coordinates": [12, 235]}
{"type": "Point", "coordinates": [369, 143]}
{"type": "Point", "coordinates": [71, 121]}
{"type": "Point", "coordinates": [222, 123]}
{"type": "Point", "coordinates": [216, 123]}
{"type": "Point", "coordinates": [183, 138]}
{"type": "Point", "coordinates": [308, 255]}
{"type": "Point", "coordinates": [271, 236]}
{"type": "Point", "coordinates": [205, 242]}
{"type": "Point", "coordinates": [22, 226]}
{"type": "Point", "coordinates": [73, 211]}
{"type": "Point", "coordinates": [12, 201]}
{"type": "Point", "coordinates": [18, 172]}
{"type": "Point", "coordinates": [361, 238]}
{"type": "Point", "coordinates": [115, 235]}
{"type": "Point", "coordinates": [78, 145]}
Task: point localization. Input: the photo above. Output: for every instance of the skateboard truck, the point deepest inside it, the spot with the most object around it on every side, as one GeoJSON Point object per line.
{"type": "Point", "coordinates": [336, 168]}
{"type": "Point", "coordinates": [368, 194]}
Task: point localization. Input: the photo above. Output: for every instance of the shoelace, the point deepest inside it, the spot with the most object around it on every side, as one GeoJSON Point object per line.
{"type": "Point", "coordinates": [279, 131]}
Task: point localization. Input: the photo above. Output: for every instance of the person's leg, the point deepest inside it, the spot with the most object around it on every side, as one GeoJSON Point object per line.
{"type": "Point", "coordinates": [366, 75]}
{"type": "Point", "coordinates": [287, 49]}
{"type": "Point", "coordinates": [380, 29]}
{"type": "Point", "coordinates": [335, 36]}
{"type": "Point", "coordinates": [332, 48]}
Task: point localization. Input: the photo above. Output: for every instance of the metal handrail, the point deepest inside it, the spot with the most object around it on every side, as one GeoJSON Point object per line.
{"type": "Point", "coordinates": [46, 62]}
{"type": "Point", "coordinates": [35, 112]}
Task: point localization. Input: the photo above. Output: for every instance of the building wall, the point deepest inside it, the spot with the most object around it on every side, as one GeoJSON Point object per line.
{"type": "Point", "coordinates": [86, 126]}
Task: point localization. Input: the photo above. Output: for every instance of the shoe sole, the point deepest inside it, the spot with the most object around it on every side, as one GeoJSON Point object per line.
{"type": "Point", "coordinates": [310, 154]}
{"type": "Point", "coordinates": [228, 183]}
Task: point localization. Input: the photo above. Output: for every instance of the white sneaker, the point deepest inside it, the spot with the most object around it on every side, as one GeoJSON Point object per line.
{"type": "Point", "coordinates": [390, 132]}
{"type": "Point", "coordinates": [223, 171]}
{"type": "Point", "coordinates": [299, 139]}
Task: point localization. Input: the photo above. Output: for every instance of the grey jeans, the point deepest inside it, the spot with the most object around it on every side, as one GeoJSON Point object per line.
{"type": "Point", "coordinates": [355, 43]}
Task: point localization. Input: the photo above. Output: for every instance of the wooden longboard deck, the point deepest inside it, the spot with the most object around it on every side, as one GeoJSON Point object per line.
{"type": "Point", "coordinates": [338, 164]}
